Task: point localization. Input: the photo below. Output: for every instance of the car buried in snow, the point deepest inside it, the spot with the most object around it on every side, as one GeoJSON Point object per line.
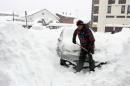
{"type": "Point", "coordinates": [69, 52]}
{"type": "Point", "coordinates": [66, 50]}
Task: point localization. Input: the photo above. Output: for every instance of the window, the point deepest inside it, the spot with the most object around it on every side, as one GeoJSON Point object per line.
{"type": "Point", "coordinates": [112, 30]}
{"type": "Point", "coordinates": [95, 18]}
{"type": "Point", "coordinates": [109, 29]}
{"type": "Point", "coordinates": [110, 16]}
{"type": "Point", "coordinates": [96, 9]}
{"type": "Point", "coordinates": [128, 9]}
{"type": "Point", "coordinates": [96, 1]}
{"type": "Point", "coordinates": [94, 29]}
{"type": "Point", "coordinates": [123, 9]}
{"type": "Point", "coordinates": [111, 1]}
{"type": "Point", "coordinates": [122, 2]}
{"type": "Point", "coordinates": [118, 29]}
{"type": "Point", "coordinates": [120, 17]}
{"type": "Point", "coordinates": [109, 9]}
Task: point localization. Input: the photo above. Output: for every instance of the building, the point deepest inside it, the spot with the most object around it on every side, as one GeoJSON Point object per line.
{"type": "Point", "coordinates": [43, 16]}
{"type": "Point", "coordinates": [65, 19]}
{"type": "Point", "coordinates": [46, 17]}
{"type": "Point", "coordinates": [110, 15]}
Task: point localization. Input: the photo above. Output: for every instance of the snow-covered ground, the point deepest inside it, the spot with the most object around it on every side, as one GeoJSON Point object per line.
{"type": "Point", "coordinates": [28, 58]}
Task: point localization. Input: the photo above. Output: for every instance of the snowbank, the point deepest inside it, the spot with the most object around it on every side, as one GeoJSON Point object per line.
{"type": "Point", "coordinates": [28, 58]}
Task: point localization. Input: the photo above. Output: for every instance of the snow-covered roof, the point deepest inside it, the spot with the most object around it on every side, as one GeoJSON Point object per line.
{"type": "Point", "coordinates": [43, 14]}
{"type": "Point", "coordinates": [60, 24]}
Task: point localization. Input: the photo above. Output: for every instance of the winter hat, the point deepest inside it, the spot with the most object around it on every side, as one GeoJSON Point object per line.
{"type": "Point", "coordinates": [80, 22]}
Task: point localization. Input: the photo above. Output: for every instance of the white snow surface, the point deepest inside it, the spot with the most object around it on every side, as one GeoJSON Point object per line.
{"type": "Point", "coordinates": [28, 58]}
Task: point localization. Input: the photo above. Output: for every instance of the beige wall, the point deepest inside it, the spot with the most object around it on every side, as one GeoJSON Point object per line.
{"type": "Point", "coordinates": [116, 11]}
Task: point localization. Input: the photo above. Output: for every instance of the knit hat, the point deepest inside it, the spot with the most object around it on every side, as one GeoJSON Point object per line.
{"type": "Point", "coordinates": [80, 22]}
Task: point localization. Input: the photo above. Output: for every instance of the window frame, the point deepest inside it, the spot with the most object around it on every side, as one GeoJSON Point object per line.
{"type": "Point", "coordinates": [95, 18]}
{"type": "Point", "coordinates": [120, 16]}
{"type": "Point", "coordinates": [96, 11]}
{"type": "Point", "coordinates": [111, 1]}
{"type": "Point", "coordinates": [110, 16]}
{"type": "Point", "coordinates": [120, 2]}
{"type": "Point", "coordinates": [128, 16]}
{"type": "Point", "coordinates": [109, 29]}
{"type": "Point", "coordinates": [109, 9]}
{"type": "Point", "coordinates": [123, 7]}
{"type": "Point", "coordinates": [96, 1]}
{"type": "Point", "coordinates": [128, 9]}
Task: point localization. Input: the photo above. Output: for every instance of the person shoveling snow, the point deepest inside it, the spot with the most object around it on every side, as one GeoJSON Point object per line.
{"type": "Point", "coordinates": [87, 46]}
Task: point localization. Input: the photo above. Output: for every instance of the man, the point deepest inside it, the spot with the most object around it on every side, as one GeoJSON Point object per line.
{"type": "Point", "coordinates": [87, 45]}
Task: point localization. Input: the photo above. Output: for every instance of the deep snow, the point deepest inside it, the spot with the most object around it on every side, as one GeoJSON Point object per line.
{"type": "Point", "coordinates": [28, 58]}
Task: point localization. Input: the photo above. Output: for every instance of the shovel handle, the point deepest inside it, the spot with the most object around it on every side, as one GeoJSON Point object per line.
{"type": "Point", "coordinates": [83, 48]}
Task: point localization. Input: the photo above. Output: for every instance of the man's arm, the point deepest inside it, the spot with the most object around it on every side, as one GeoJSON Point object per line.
{"type": "Point", "coordinates": [91, 41]}
{"type": "Point", "coordinates": [91, 36]}
{"type": "Point", "coordinates": [74, 37]}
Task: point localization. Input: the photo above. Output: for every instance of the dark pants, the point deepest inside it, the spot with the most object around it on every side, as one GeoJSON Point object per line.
{"type": "Point", "coordinates": [82, 58]}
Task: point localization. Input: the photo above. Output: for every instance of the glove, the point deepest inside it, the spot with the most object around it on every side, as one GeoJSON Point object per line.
{"type": "Point", "coordinates": [91, 51]}
{"type": "Point", "coordinates": [74, 42]}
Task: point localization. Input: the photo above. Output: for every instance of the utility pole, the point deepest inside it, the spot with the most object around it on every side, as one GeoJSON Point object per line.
{"type": "Point", "coordinates": [13, 16]}
{"type": "Point", "coordinates": [26, 18]}
{"type": "Point", "coordinates": [91, 25]}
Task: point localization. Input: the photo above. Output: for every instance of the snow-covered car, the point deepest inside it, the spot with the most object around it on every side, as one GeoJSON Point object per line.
{"type": "Point", "coordinates": [65, 48]}
{"type": "Point", "coordinates": [69, 52]}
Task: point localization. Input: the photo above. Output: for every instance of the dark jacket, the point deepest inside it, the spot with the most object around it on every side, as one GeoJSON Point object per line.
{"type": "Point", "coordinates": [85, 36]}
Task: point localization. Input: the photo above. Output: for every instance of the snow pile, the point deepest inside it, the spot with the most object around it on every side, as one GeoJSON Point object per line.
{"type": "Point", "coordinates": [28, 58]}
{"type": "Point", "coordinates": [112, 46]}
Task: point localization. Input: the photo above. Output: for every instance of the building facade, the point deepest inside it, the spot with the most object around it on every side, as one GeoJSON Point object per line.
{"type": "Point", "coordinates": [110, 15]}
{"type": "Point", "coordinates": [43, 16]}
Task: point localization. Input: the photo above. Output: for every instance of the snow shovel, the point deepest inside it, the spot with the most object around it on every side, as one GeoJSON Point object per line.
{"type": "Point", "coordinates": [83, 48]}
{"type": "Point", "coordinates": [100, 63]}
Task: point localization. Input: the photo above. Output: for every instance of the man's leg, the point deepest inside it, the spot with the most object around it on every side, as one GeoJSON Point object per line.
{"type": "Point", "coordinates": [91, 63]}
{"type": "Point", "coordinates": [81, 61]}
